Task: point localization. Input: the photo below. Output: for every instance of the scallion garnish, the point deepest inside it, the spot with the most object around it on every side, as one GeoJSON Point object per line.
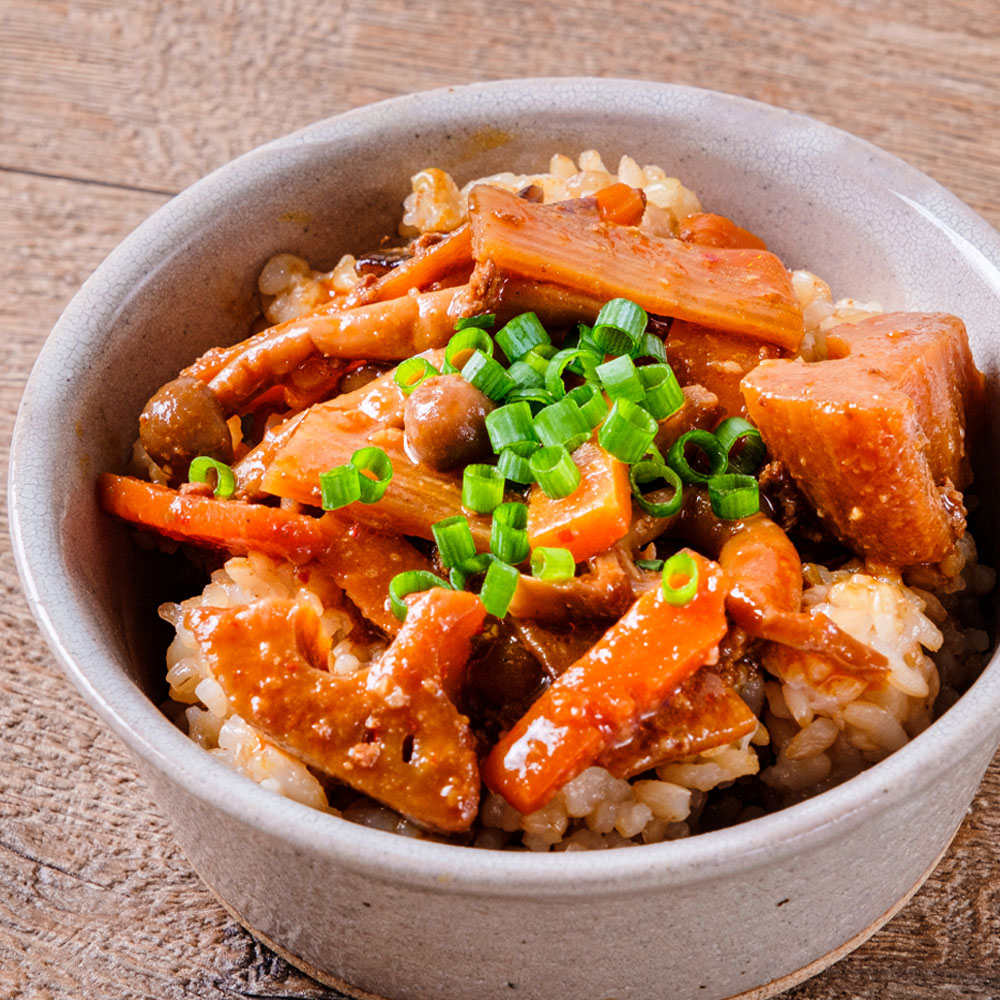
{"type": "Point", "coordinates": [225, 481]}
{"type": "Point", "coordinates": [735, 432]}
{"type": "Point", "coordinates": [525, 376]}
{"type": "Point", "coordinates": [482, 488]}
{"type": "Point", "coordinates": [411, 582]}
{"type": "Point", "coordinates": [514, 462]}
{"type": "Point", "coordinates": [680, 564]}
{"type": "Point", "coordinates": [498, 588]}
{"type": "Point", "coordinates": [555, 472]}
{"type": "Point", "coordinates": [484, 321]}
{"type": "Point", "coordinates": [510, 424]}
{"type": "Point", "coordinates": [374, 473]}
{"type": "Point", "coordinates": [591, 401]}
{"type": "Point", "coordinates": [581, 362]}
{"type": "Point", "coordinates": [460, 575]}
{"type": "Point", "coordinates": [562, 423]}
{"type": "Point", "coordinates": [734, 496]}
{"type": "Point", "coordinates": [648, 472]}
{"type": "Point", "coordinates": [552, 564]}
{"type": "Point", "coordinates": [508, 539]}
{"type": "Point", "coordinates": [627, 432]}
{"type": "Point", "coordinates": [413, 372]}
{"type": "Point", "coordinates": [620, 379]}
{"type": "Point", "coordinates": [536, 397]}
{"type": "Point", "coordinates": [520, 335]}
{"type": "Point", "coordinates": [465, 342]}
{"type": "Point", "coordinates": [538, 358]}
{"type": "Point", "coordinates": [650, 565]}
{"type": "Point", "coordinates": [619, 326]}
{"type": "Point", "coordinates": [709, 446]}
{"type": "Point", "coordinates": [650, 346]}
{"type": "Point", "coordinates": [663, 395]}
{"type": "Point", "coordinates": [487, 375]}
{"type": "Point", "coordinates": [338, 487]}
{"type": "Point", "coordinates": [454, 540]}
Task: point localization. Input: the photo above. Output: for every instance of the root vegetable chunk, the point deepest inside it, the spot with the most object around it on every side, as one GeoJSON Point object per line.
{"type": "Point", "coordinates": [876, 435]}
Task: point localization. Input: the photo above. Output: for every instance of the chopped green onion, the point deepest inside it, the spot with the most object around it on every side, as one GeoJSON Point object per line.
{"type": "Point", "coordinates": [467, 340]}
{"type": "Point", "coordinates": [627, 432]}
{"type": "Point", "coordinates": [562, 423]}
{"type": "Point", "coordinates": [552, 564]}
{"type": "Point", "coordinates": [510, 424]}
{"type": "Point", "coordinates": [525, 376]}
{"type": "Point", "coordinates": [710, 447]}
{"type": "Point", "coordinates": [375, 461]}
{"type": "Point", "coordinates": [454, 540]}
{"type": "Point", "coordinates": [508, 539]}
{"type": "Point", "coordinates": [413, 372]}
{"type": "Point", "coordinates": [482, 488]}
{"type": "Point", "coordinates": [535, 397]}
{"type": "Point", "coordinates": [514, 462]}
{"type": "Point", "coordinates": [538, 358]}
{"type": "Point", "coordinates": [520, 335]}
{"type": "Point", "coordinates": [555, 472]}
{"type": "Point", "coordinates": [487, 375]}
{"type": "Point", "coordinates": [734, 496]}
{"type": "Point", "coordinates": [651, 346]}
{"type": "Point", "coordinates": [591, 401]}
{"type": "Point", "coordinates": [498, 588]}
{"type": "Point", "coordinates": [663, 394]}
{"type": "Point", "coordinates": [411, 582]}
{"type": "Point", "coordinates": [680, 564]}
{"type": "Point", "coordinates": [648, 472]}
{"type": "Point", "coordinates": [225, 481]}
{"type": "Point", "coordinates": [484, 321]}
{"type": "Point", "coordinates": [735, 431]}
{"type": "Point", "coordinates": [338, 487]}
{"type": "Point", "coordinates": [581, 362]}
{"type": "Point", "coordinates": [620, 379]}
{"type": "Point", "coordinates": [460, 575]}
{"type": "Point", "coordinates": [585, 339]}
{"type": "Point", "coordinates": [651, 565]}
{"type": "Point", "coordinates": [619, 326]}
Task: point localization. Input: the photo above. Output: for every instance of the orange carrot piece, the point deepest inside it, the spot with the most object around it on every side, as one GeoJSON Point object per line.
{"type": "Point", "coordinates": [710, 230]}
{"type": "Point", "coordinates": [621, 204]}
{"type": "Point", "coordinates": [592, 518]}
{"type": "Point", "coordinates": [743, 291]}
{"type": "Point", "coordinates": [219, 524]}
{"type": "Point", "coordinates": [390, 731]}
{"type": "Point", "coordinates": [600, 700]}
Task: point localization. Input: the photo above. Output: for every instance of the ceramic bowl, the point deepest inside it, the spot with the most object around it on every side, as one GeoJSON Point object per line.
{"type": "Point", "coordinates": [744, 911]}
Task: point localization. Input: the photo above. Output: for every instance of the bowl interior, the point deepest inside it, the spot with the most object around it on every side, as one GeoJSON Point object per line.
{"type": "Point", "coordinates": [186, 280]}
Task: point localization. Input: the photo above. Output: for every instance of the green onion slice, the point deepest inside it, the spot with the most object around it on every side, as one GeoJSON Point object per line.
{"type": "Point", "coordinates": [619, 326]}
{"type": "Point", "coordinates": [461, 574]}
{"type": "Point", "coordinates": [620, 379]}
{"type": "Point", "coordinates": [651, 565]}
{"type": "Point", "coordinates": [508, 539]}
{"type": "Point", "coordinates": [525, 376]}
{"type": "Point", "coordinates": [710, 447]}
{"type": "Point", "coordinates": [735, 432]}
{"type": "Point", "coordinates": [482, 488]}
{"type": "Point", "coordinates": [225, 481]}
{"type": "Point", "coordinates": [510, 424]}
{"type": "Point", "coordinates": [555, 472]}
{"type": "Point", "coordinates": [562, 423]}
{"type": "Point", "coordinates": [467, 340]}
{"type": "Point", "coordinates": [498, 588]}
{"type": "Point", "coordinates": [680, 564]}
{"type": "Point", "coordinates": [648, 472]}
{"type": "Point", "coordinates": [538, 358]}
{"type": "Point", "coordinates": [413, 372]}
{"type": "Point", "coordinates": [484, 321]}
{"type": "Point", "coordinates": [338, 487]}
{"type": "Point", "coordinates": [627, 432]}
{"type": "Point", "coordinates": [374, 473]}
{"type": "Point", "coordinates": [520, 335]}
{"type": "Point", "coordinates": [581, 362]}
{"type": "Point", "coordinates": [552, 564]}
{"type": "Point", "coordinates": [663, 394]}
{"type": "Point", "coordinates": [487, 375]}
{"type": "Point", "coordinates": [591, 401]}
{"type": "Point", "coordinates": [411, 582]}
{"type": "Point", "coordinates": [734, 496]}
{"type": "Point", "coordinates": [514, 462]}
{"type": "Point", "coordinates": [536, 397]}
{"type": "Point", "coordinates": [454, 540]}
{"type": "Point", "coordinates": [651, 346]}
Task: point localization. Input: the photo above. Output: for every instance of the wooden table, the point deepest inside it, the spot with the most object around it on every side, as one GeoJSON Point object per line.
{"type": "Point", "coordinates": [107, 109]}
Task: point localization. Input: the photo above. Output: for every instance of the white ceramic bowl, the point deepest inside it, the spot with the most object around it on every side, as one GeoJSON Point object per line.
{"type": "Point", "coordinates": [752, 908]}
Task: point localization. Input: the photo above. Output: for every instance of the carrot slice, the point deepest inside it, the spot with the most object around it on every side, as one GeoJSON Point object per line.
{"type": "Point", "coordinates": [592, 518]}
{"type": "Point", "coordinates": [743, 291]}
{"type": "Point", "coordinates": [601, 699]}
{"type": "Point", "coordinates": [621, 204]}
{"type": "Point", "coordinates": [710, 230]}
{"type": "Point", "coordinates": [390, 731]}
{"type": "Point", "coordinates": [219, 524]}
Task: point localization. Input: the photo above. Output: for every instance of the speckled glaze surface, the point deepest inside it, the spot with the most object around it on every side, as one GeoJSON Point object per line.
{"type": "Point", "coordinates": [711, 917]}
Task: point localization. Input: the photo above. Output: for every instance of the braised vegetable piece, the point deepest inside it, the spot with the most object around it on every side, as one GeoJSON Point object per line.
{"type": "Point", "coordinates": [390, 731]}
{"type": "Point", "coordinates": [621, 204]}
{"type": "Point", "coordinates": [874, 436]}
{"type": "Point", "coordinates": [445, 423]}
{"type": "Point", "coordinates": [602, 698]}
{"type": "Point", "coordinates": [709, 230]}
{"type": "Point", "coordinates": [742, 291]}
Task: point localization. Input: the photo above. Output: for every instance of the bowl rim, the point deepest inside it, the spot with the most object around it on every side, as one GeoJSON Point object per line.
{"type": "Point", "coordinates": [446, 867]}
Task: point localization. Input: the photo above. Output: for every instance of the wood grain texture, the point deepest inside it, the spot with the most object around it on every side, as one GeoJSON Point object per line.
{"type": "Point", "coordinates": [108, 108]}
